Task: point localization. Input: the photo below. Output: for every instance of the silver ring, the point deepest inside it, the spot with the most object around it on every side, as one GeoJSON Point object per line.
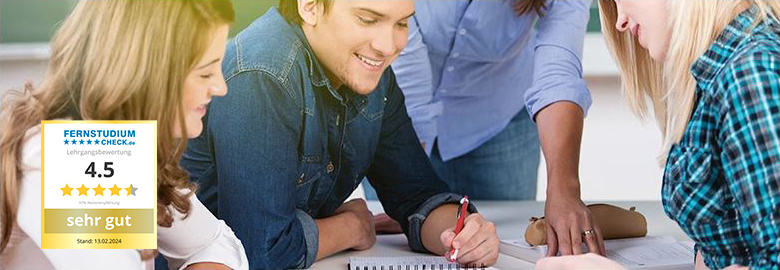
{"type": "Point", "coordinates": [587, 232]}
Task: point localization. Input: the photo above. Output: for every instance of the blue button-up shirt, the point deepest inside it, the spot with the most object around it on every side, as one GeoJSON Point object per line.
{"type": "Point", "coordinates": [469, 67]}
{"type": "Point", "coordinates": [284, 148]}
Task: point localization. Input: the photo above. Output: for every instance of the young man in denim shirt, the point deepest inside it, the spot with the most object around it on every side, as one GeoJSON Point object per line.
{"type": "Point", "coordinates": [312, 109]}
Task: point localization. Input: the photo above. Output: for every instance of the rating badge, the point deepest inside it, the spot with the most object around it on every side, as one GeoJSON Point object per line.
{"type": "Point", "coordinates": [99, 187]}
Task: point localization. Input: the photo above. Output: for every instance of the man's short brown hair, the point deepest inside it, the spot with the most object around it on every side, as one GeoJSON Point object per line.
{"type": "Point", "coordinates": [289, 9]}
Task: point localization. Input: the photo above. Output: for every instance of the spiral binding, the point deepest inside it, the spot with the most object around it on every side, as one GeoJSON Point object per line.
{"type": "Point", "coordinates": [419, 267]}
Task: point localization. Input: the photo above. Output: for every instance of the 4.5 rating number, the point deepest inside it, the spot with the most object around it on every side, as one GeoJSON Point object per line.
{"type": "Point", "coordinates": [106, 167]}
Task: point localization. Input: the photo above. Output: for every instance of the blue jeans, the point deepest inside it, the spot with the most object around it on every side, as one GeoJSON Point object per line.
{"type": "Point", "coordinates": [503, 168]}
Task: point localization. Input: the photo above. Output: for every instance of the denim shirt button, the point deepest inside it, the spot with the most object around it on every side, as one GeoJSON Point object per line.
{"type": "Point", "coordinates": [300, 179]}
{"type": "Point", "coordinates": [330, 167]}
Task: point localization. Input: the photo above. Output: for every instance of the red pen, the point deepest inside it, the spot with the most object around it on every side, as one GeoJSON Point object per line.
{"type": "Point", "coordinates": [462, 213]}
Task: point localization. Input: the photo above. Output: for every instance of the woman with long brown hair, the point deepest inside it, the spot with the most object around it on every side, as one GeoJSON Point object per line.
{"type": "Point", "coordinates": [123, 60]}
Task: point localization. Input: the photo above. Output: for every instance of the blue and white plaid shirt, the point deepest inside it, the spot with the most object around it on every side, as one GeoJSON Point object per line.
{"type": "Point", "coordinates": [722, 180]}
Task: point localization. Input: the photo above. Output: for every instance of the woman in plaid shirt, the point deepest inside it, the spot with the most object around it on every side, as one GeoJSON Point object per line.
{"type": "Point", "coordinates": [711, 70]}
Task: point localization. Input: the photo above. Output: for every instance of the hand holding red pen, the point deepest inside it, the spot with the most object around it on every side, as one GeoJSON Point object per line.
{"type": "Point", "coordinates": [473, 241]}
{"type": "Point", "coordinates": [462, 213]}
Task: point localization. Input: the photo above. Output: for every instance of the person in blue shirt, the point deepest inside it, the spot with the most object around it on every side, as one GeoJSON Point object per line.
{"type": "Point", "coordinates": [485, 83]}
{"type": "Point", "coordinates": [313, 108]}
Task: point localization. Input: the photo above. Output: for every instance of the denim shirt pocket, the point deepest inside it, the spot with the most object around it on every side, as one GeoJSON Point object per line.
{"type": "Point", "coordinates": [308, 174]}
{"type": "Point", "coordinates": [372, 112]}
{"type": "Point", "coordinates": [362, 135]}
{"type": "Point", "coordinates": [690, 192]}
{"type": "Point", "coordinates": [311, 169]}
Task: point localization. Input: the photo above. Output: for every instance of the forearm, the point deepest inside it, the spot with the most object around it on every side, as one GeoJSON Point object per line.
{"type": "Point", "coordinates": [560, 135]}
{"type": "Point", "coordinates": [440, 219]}
{"type": "Point", "coordinates": [206, 265]}
{"type": "Point", "coordinates": [335, 234]}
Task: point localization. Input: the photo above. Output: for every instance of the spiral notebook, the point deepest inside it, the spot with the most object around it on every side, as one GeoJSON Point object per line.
{"type": "Point", "coordinates": [404, 263]}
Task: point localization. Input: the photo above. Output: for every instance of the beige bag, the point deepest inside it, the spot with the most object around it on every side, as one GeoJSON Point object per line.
{"type": "Point", "coordinates": [614, 222]}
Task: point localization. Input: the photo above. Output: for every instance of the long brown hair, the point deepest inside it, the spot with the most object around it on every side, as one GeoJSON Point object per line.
{"type": "Point", "coordinates": [116, 60]}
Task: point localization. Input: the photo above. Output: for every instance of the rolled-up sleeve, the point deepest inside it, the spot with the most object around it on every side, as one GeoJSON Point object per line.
{"type": "Point", "coordinates": [413, 70]}
{"type": "Point", "coordinates": [558, 53]}
{"type": "Point", "coordinates": [416, 220]}
{"type": "Point", "coordinates": [311, 234]}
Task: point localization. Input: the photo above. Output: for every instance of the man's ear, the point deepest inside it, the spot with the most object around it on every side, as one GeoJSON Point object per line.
{"type": "Point", "coordinates": [309, 10]}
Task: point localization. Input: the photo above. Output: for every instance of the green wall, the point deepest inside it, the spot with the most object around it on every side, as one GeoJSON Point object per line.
{"type": "Point", "coordinates": [36, 20]}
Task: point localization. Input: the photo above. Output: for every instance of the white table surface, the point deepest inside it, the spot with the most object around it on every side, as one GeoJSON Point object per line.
{"type": "Point", "coordinates": [511, 219]}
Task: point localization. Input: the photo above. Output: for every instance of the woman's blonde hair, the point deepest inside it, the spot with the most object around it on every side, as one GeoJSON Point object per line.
{"type": "Point", "coordinates": [116, 60]}
{"type": "Point", "coordinates": [670, 86]}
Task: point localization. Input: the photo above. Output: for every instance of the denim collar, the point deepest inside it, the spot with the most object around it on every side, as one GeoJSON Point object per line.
{"type": "Point", "coordinates": [317, 73]}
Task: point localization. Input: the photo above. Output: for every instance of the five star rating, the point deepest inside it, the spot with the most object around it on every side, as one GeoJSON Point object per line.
{"type": "Point", "coordinates": [83, 190]}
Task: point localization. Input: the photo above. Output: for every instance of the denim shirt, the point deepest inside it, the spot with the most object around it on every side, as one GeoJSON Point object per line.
{"type": "Point", "coordinates": [284, 147]}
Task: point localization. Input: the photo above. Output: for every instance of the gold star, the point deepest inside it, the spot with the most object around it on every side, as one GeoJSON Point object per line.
{"type": "Point", "coordinates": [66, 190]}
{"type": "Point", "coordinates": [99, 190]}
{"type": "Point", "coordinates": [83, 190]}
{"type": "Point", "coordinates": [115, 190]}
